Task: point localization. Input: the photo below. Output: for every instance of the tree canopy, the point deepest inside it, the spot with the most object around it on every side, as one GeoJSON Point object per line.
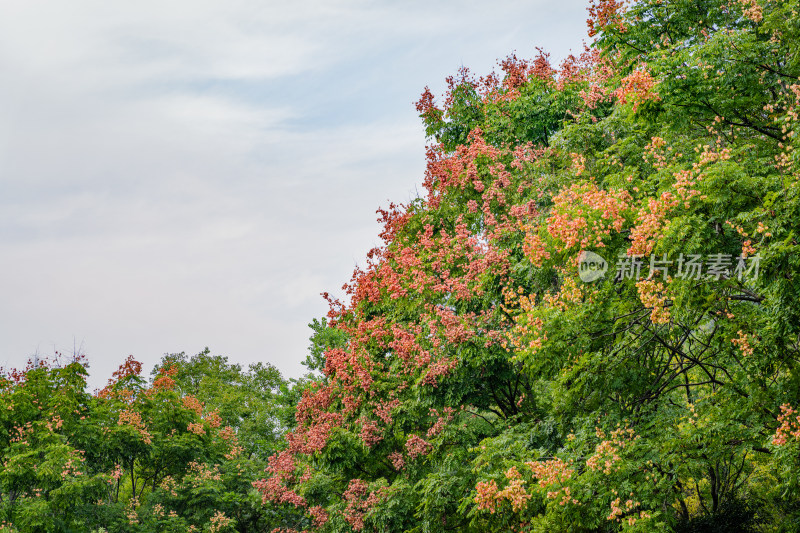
{"type": "Point", "coordinates": [474, 380]}
{"type": "Point", "coordinates": [178, 452]}
{"type": "Point", "coordinates": [588, 322]}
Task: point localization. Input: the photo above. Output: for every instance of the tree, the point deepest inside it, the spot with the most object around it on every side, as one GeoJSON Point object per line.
{"type": "Point", "coordinates": [175, 453]}
{"type": "Point", "coordinates": [477, 383]}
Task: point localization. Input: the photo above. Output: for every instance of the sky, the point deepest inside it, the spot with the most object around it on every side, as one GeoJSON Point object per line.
{"type": "Point", "coordinates": [183, 174]}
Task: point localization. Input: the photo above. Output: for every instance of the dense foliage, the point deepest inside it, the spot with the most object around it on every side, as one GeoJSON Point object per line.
{"type": "Point", "coordinates": [473, 381]}
{"type": "Point", "coordinates": [175, 453]}
{"type": "Point", "coordinates": [589, 322]}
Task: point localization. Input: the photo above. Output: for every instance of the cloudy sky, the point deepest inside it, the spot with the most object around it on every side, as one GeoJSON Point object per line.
{"type": "Point", "coordinates": [175, 175]}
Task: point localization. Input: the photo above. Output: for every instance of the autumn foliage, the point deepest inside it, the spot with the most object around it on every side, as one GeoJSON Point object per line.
{"type": "Point", "coordinates": [477, 383]}
{"type": "Point", "coordinates": [470, 378]}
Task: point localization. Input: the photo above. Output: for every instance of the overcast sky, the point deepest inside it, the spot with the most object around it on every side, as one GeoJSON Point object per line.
{"type": "Point", "coordinates": [175, 175]}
